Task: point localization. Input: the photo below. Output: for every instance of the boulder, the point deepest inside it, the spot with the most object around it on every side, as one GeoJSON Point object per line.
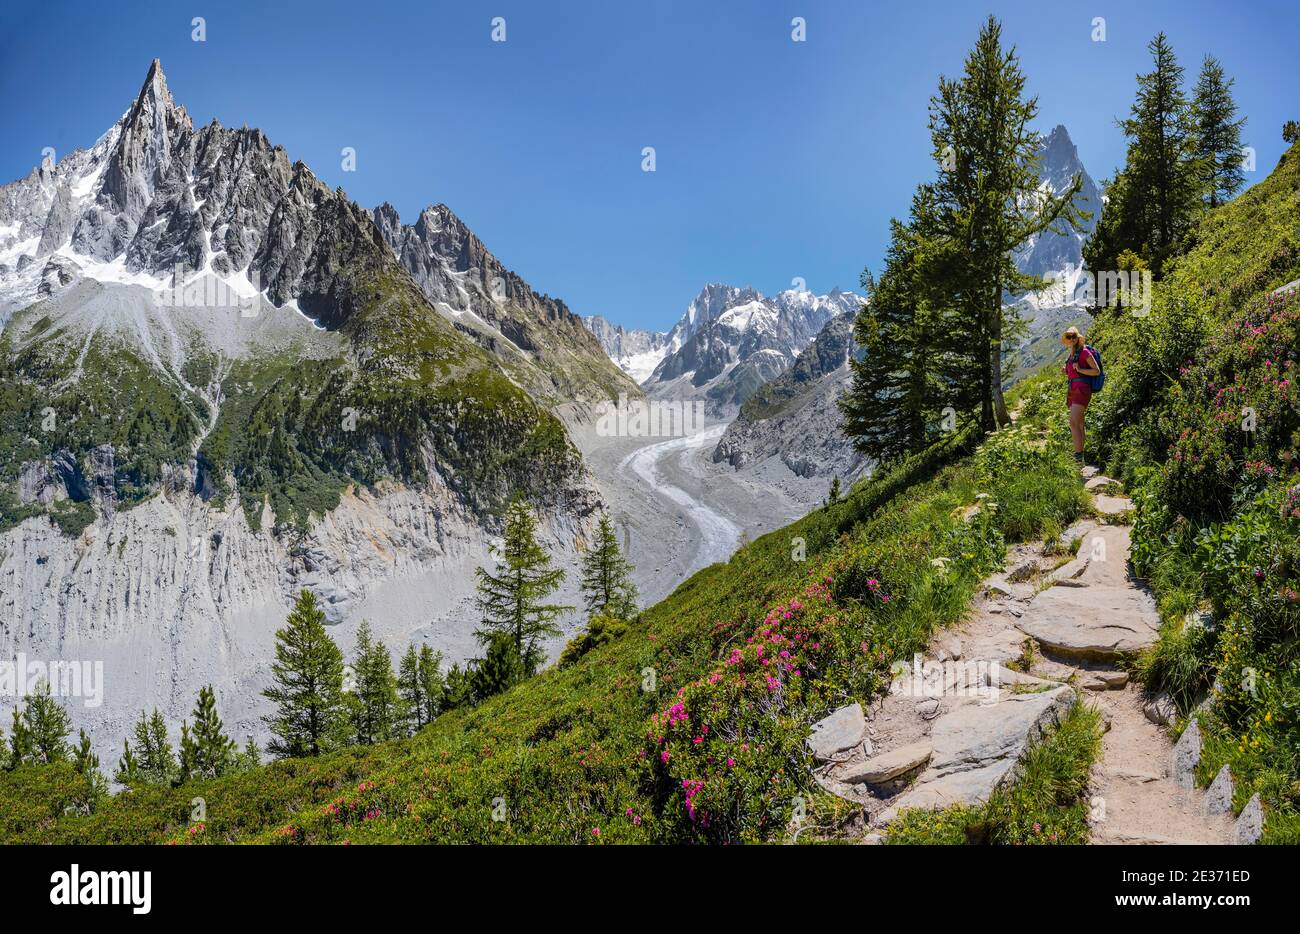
{"type": "Point", "coordinates": [1111, 505]}
{"type": "Point", "coordinates": [997, 586]}
{"type": "Point", "coordinates": [1106, 681]}
{"type": "Point", "coordinates": [1218, 797]}
{"type": "Point", "coordinates": [888, 765]}
{"type": "Point", "coordinates": [1186, 755]}
{"type": "Point", "coordinates": [1250, 823]}
{"type": "Point", "coordinates": [1023, 571]}
{"type": "Point", "coordinates": [1097, 482]}
{"type": "Point", "coordinates": [1160, 709]}
{"type": "Point", "coordinates": [843, 731]}
{"type": "Point", "coordinates": [977, 747]}
{"type": "Point", "coordinates": [1101, 622]}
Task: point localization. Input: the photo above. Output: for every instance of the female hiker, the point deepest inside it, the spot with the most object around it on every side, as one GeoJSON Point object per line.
{"type": "Point", "coordinates": [1080, 364]}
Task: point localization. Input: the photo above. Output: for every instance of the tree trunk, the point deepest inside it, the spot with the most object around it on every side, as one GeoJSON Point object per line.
{"type": "Point", "coordinates": [1000, 413]}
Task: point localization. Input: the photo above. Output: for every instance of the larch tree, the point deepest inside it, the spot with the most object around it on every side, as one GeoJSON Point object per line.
{"type": "Point", "coordinates": [513, 598]}
{"type": "Point", "coordinates": [310, 716]}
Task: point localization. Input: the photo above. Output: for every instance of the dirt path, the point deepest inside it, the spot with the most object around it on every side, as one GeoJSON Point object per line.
{"type": "Point", "coordinates": [1057, 623]}
{"type": "Point", "coordinates": [1136, 799]}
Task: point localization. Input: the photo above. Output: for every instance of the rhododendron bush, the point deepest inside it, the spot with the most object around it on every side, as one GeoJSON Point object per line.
{"type": "Point", "coordinates": [730, 745]}
{"type": "Point", "coordinates": [1235, 416]}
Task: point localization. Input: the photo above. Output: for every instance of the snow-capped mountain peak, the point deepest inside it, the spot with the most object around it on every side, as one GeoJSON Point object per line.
{"type": "Point", "coordinates": [728, 342]}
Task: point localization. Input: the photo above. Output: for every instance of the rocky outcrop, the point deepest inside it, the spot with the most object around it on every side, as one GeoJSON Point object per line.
{"type": "Point", "coordinates": [732, 340]}
{"type": "Point", "coordinates": [635, 352]}
{"type": "Point", "coordinates": [796, 416]}
{"type": "Point", "coordinates": [843, 732]}
{"type": "Point", "coordinates": [496, 307]}
{"type": "Point", "coordinates": [1250, 823]}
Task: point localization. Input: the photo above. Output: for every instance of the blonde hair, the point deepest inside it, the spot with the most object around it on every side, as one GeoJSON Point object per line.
{"type": "Point", "coordinates": [1073, 335]}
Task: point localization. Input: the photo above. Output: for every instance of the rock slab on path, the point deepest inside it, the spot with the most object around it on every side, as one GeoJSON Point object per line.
{"type": "Point", "coordinates": [844, 731]}
{"type": "Point", "coordinates": [977, 747]}
{"type": "Point", "coordinates": [1094, 623]}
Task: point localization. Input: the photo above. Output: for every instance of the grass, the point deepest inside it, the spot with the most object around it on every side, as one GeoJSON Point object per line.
{"type": "Point", "coordinates": [574, 752]}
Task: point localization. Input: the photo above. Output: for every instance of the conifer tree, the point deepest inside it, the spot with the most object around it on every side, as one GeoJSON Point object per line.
{"type": "Point", "coordinates": [128, 767]}
{"type": "Point", "coordinates": [1218, 134]}
{"type": "Point", "coordinates": [1155, 200]}
{"type": "Point", "coordinates": [607, 586]}
{"type": "Point", "coordinates": [411, 690]}
{"type": "Point", "coordinates": [459, 690]}
{"type": "Point", "coordinates": [151, 761]}
{"type": "Point", "coordinates": [86, 763]}
{"type": "Point", "coordinates": [248, 758]}
{"type": "Point", "coordinates": [886, 405]}
{"type": "Point", "coordinates": [40, 733]}
{"type": "Point", "coordinates": [431, 681]}
{"type": "Point", "coordinates": [310, 715]}
{"type": "Point", "coordinates": [18, 751]}
{"type": "Point", "coordinates": [206, 750]}
{"type": "Point", "coordinates": [985, 203]}
{"type": "Point", "coordinates": [500, 669]}
{"type": "Point", "coordinates": [419, 682]}
{"type": "Point", "coordinates": [512, 600]}
{"type": "Point", "coordinates": [84, 759]}
{"type": "Point", "coordinates": [373, 703]}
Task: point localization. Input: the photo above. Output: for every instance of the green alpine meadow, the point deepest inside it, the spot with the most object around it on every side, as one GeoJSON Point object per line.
{"type": "Point", "coordinates": [963, 510]}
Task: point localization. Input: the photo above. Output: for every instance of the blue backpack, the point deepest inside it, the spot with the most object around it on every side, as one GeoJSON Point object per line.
{"type": "Point", "coordinates": [1096, 382]}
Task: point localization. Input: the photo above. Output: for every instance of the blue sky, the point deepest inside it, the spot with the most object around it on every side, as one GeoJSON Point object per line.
{"type": "Point", "coordinates": [775, 159]}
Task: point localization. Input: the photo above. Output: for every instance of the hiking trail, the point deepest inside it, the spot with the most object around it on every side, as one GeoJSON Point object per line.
{"type": "Point", "coordinates": [1060, 622]}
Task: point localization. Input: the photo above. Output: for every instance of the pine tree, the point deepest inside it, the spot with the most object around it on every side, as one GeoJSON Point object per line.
{"type": "Point", "coordinates": [1290, 132]}
{"type": "Point", "coordinates": [512, 600]}
{"type": "Point", "coordinates": [41, 731]}
{"type": "Point", "coordinates": [83, 757]}
{"type": "Point", "coordinates": [128, 767]}
{"type": "Point", "coordinates": [1218, 134]}
{"type": "Point", "coordinates": [205, 751]}
{"type": "Point", "coordinates": [411, 690]}
{"type": "Point", "coordinates": [419, 682]}
{"type": "Point", "coordinates": [1153, 203]}
{"type": "Point", "coordinates": [308, 690]}
{"type": "Point", "coordinates": [500, 669]}
{"type": "Point", "coordinates": [834, 495]}
{"type": "Point", "coordinates": [915, 359]}
{"type": "Point", "coordinates": [373, 703]}
{"type": "Point", "coordinates": [459, 691]}
{"type": "Point", "coordinates": [432, 684]}
{"type": "Point", "coordinates": [86, 763]}
{"type": "Point", "coordinates": [247, 759]}
{"type": "Point", "coordinates": [607, 586]}
{"type": "Point", "coordinates": [19, 747]}
{"type": "Point", "coordinates": [151, 761]}
{"type": "Point", "coordinates": [986, 203]}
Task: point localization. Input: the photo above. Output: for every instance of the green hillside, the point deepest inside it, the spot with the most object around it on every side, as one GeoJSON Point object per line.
{"type": "Point", "coordinates": [690, 726]}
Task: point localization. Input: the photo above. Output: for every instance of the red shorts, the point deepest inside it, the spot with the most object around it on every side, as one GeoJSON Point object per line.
{"type": "Point", "coordinates": [1080, 394]}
